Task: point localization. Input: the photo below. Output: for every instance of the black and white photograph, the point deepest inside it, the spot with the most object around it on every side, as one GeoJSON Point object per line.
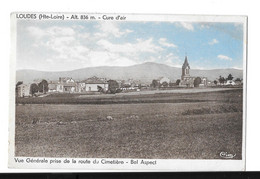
{"type": "Point", "coordinates": [128, 91]}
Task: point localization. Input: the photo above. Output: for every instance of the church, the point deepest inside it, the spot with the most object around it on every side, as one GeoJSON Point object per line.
{"type": "Point", "coordinates": [187, 80]}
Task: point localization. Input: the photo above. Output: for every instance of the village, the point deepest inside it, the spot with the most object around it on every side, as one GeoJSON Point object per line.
{"type": "Point", "coordinates": [104, 91]}
{"type": "Point", "coordinates": [100, 85]}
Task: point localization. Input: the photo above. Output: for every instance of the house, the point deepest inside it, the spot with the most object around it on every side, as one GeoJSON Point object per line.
{"type": "Point", "coordinates": [23, 90]}
{"type": "Point", "coordinates": [94, 84]}
{"type": "Point", "coordinates": [211, 83]}
{"type": "Point", "coordinates": [81, 87]}
{"type": "Point", "coordinates": [129, 82]}
{"type": "Point", "coordinates": [52, 87]}
{"type": "Point", "coordinates": [204, 81]}
{"type": "Point", "coordinates": [163, 80]}
{"type": "Point", "coordinates": [230, 82]}
{"type": "Point", "coordinates": [120, 83]}
{"type": "Point", "coordinates": [66, 84]}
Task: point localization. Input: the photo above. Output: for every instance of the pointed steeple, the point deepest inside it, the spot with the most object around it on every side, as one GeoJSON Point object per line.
{"type": "Point", "coordinates": [185, 68]}
{"type": "Point", "coordinates": [186, 63]}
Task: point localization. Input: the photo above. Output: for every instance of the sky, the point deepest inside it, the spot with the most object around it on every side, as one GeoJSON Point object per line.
{"type": "Point", "coordinates": [70, 45]}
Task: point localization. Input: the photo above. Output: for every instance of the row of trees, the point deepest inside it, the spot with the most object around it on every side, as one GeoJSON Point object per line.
{"type": "Point", "coordinates": [196, 82]}
{"type": "Point", "coordinates": [156, 84]}
{"type": "Point", "coordinates": [41, 87]}
{"type": "Point", "coordinates": [222, 79]}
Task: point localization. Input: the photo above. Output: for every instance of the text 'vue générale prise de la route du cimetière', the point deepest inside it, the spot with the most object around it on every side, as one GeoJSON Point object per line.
{"type": "Point", "coordinates": [59, 16]}
{"type": "Point", "coordinates": [85, 161]}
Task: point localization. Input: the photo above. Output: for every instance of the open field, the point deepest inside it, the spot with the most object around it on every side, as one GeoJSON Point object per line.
{"type": "Point", "coordinates": [156, 96]}
{"type": "Point", "coordinates": [164, 125]}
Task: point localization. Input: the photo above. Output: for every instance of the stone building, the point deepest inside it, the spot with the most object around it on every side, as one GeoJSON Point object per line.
{"type": "Point", "coordinates": [66, 84]}
{"type": "Point", "coordinates": [186, 79]}
{"type": "Point", "coordinates": [94, 83]}
{"type": "Point", "coordinates": [23, 90]}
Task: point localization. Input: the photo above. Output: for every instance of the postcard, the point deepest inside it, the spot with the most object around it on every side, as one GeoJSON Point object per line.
{"type": "Point", "coordinates": [120, 92]}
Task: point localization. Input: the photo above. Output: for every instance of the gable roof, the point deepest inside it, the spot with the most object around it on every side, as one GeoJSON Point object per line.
{"type": "Point", "coordinates": [65, 79]}
{"type": "Point", "coordinates": [94, 80]}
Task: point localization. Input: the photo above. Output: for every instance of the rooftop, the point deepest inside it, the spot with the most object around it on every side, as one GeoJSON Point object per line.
{"type": "Point", "coordinates": [95, 80]}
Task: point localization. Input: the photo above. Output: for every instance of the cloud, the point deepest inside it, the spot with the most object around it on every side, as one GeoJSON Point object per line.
{"type": "Point", "coordinates": [62, 43]}
{"type": "Point", "coordinates": [223, 57]}
{"type": "Point", "coordinates": [163, 42]}
{"type": "Point", "coordinates": [172, 60]}
{"type": "Point", "coordinates": [234, 30]}
{"type": "Point", "coordinates": [140, 46]}
{"type": "Point", "coordinates": [213, 41]}
{"type": "Point", "coordinates": [237, 68]}
{"type": "Point", "coordinates": [84, 35]}
{"type": "Point", "coordinates": [68, 46]}
{"type": "Point", "coordinates": [56, 31]}
{"type": "Point", "coordinates": [66, 49]}
{"type": "Point", "coordinates": [186, 25]}
{"type": "Point", "coordinates": [36, 32]}
{"type": "Point", "coordinates": [110, 29]}
{"type": "Point", "coordinates": [105, 58]}
{"type": "Point", "coordinates": [204, 26]}
{"type": "Point", "coordinates": [60, 31]}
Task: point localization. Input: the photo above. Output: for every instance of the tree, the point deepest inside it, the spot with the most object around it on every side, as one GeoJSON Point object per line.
{"type": "Point", "coordinates": [230, 77]}
{"type": "Point", "coordinates": [34, 88]}
{"type": "Point", "coordinates": [43, 86]}
{"type": "Point", "coordinates": [112, 86]}
{"type": "Point", "coordinates": [100, 89]}
{"type": "Point", "coordinates": [178, 82]}
{"type": "Point", "coordinates": [165, 84]}
{"type": "Point", "coordinates": [19, 83]}
{"type": "Point", "coordinates": [197, 82]}
{"type": "Point", "coordinates": [215, 82]}
{"type": "Point", "coordinates": [155, 84]}
{"type": "Point", "coordinates": [221, 80]}
{"type": "Point", "coordinates": [238, 80]}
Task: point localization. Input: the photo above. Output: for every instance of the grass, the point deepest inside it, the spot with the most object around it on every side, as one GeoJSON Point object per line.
{"type": "Point", "coordinates": [169, 126]}
{"type": "Point", "coordinates": [60, 98]}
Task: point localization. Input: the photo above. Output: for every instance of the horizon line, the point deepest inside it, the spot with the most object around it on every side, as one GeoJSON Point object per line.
{"type": "Point", "coordinates": [235, 68]}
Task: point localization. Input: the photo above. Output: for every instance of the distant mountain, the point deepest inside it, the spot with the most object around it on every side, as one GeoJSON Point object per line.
{"type": "Point", "coordinates": [145, 72]}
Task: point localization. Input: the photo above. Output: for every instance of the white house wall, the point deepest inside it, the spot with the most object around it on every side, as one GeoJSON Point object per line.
{"type": "Point", "coordinates": [164, 79]}
{"type": "Point", "coordinates": [60, 88]}
{"type": "Point", "coordinates": [94, 87]}
{"type": "Point", "coordinates": [24, 90]}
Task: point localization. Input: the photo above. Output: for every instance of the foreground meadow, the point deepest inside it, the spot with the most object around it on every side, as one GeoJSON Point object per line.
{"type": "Point", "coordinates": [166, 126]}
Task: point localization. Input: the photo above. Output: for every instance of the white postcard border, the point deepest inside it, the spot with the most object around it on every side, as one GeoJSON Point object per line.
{"type": "Point", "coordinates": [161, 164]}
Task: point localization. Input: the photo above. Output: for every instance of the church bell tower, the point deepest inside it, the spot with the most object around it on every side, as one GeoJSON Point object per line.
{"type": "Point", "coordinates": [185, 69]}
